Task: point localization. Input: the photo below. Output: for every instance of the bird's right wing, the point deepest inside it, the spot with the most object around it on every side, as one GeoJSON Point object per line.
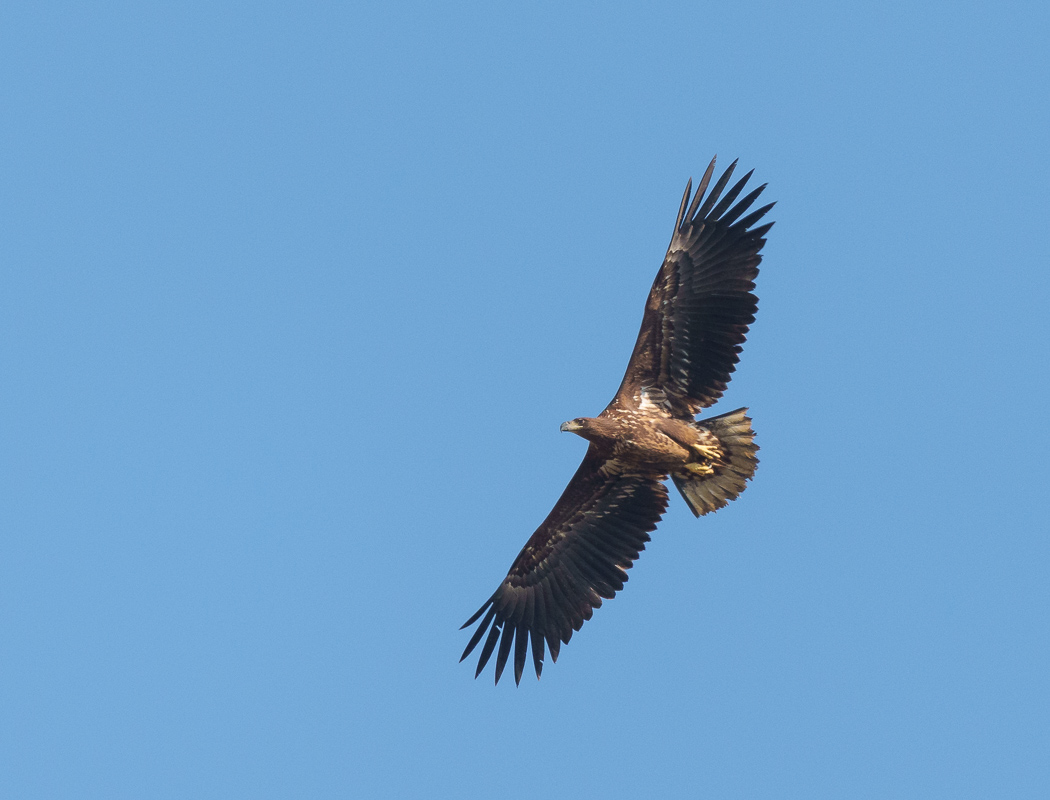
{"type": "Point", "coordinates": [579, 555]}
{"type": "Point", "coordinates": [701, 303]}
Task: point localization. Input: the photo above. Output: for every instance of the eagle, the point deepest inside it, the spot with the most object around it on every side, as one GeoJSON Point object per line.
{"type": "Point", "coordinates": [696, 318]}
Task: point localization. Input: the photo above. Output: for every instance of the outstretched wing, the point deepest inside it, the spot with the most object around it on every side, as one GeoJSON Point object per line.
{"type": "Point", "coordinates": [701, 303]}
{"type": "Point", "coordinates": [577, 557]}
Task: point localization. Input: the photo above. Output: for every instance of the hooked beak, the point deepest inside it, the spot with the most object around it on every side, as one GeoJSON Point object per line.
{"type": "Point", "coordinates": [570, 426]}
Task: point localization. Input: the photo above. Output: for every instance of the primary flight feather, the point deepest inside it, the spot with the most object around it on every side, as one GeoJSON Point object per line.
{"type": "Point", "coordinates": [696, 319]}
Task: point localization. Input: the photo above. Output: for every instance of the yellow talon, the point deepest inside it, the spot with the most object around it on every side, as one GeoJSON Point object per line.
{"type": "Point", "coordinates": [708, 451]}
{"type": "Point", "coordinates": [700, 469]}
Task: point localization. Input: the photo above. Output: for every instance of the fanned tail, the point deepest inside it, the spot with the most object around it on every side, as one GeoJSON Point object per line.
{"type": "Point", "coordinates": [728, 474]}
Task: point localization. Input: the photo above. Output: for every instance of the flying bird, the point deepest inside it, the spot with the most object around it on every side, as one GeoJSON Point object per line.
{"type": "Point", "coordinates": [696, 319]}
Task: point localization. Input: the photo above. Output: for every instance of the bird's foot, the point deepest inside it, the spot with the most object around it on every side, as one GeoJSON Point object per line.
{"type": "Point", "coordinates": [700, 469]}
{"type": "Point", "coordinates": [709, 451]}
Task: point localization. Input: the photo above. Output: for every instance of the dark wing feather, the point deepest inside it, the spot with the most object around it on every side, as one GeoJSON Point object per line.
{"type": "Point", "coordinates": [577, 557]}
{"type": "Point", "coordinates": [701, 303]}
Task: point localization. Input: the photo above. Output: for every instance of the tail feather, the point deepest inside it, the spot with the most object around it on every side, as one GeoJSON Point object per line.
{"type": "Point", "coordinates": [730, 473]}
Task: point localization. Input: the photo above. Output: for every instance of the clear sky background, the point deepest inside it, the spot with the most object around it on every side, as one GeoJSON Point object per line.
{"type": "Point", "coordinates": [295, 296]}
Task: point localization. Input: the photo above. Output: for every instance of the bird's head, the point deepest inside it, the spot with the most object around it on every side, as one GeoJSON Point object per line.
{"type": "Point", "coordinates": [574, 425]}
{"type": "Point", "coordinates": [589, 428]}
{"type": "Point", "coordinates": [593, 429]}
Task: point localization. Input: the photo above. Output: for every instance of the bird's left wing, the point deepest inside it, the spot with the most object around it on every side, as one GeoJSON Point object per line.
{"type": "Point", "coordinates": [577, 557]}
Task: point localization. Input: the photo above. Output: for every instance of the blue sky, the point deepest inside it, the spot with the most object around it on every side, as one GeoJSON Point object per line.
{"type": "Point", "coordinates": [295, 296]}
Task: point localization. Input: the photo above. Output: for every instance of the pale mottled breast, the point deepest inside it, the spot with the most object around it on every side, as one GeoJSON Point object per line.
{"type": "Point", "coordinates": [640, 441]}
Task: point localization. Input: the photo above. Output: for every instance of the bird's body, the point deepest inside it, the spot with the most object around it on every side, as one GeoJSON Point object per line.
{"type": "Point", "coordinates": [658, 443]}
{"type": "Point", "coordinates": [696, 318]}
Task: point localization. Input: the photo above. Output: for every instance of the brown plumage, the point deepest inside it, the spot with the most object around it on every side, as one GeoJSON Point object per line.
{"type": "Point", "coordinates": [696, 319]}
